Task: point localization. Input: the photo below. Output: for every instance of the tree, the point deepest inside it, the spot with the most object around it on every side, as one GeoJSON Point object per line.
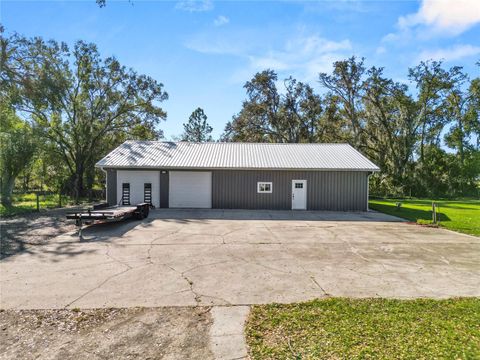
{"type": "Point", "coordinates": [347, 84]}
{"type": "Point", "coordinates": [82, 104]}
{"type": "Point", "coordinates": [197, 129]}
{"type": "Point", "coordinates": [460, 108]}
{"type": "Point", "coordinates": [432, 83]}
{"type": "Point", "coordinates": [462, 111]}
{"type": "Point", "coordinates": [267, 116]}
{"type": "Point", "coordinates": [390, 136]}
{"type": "Point", "coordinates": [16, 151]}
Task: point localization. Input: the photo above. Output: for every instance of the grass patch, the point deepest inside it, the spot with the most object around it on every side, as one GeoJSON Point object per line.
{"type": "Point", "coordinates": [25, 203]}
{"type": "Point", "coordinates": [339, 328]}
{"type": "Point", "coordinates": [457, 215]}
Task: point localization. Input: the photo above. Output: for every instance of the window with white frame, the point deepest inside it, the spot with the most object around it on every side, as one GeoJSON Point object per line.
{"type": "Point", "coordinates": [264, 187]}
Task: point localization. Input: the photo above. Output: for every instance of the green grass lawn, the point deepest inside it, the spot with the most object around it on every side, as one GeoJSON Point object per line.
{"type": "Point", "coordinates": [24, 203]}
{"type": "Point", "coordinates": [457, 215]}
{"type": "Point", "coordinates": [340, 328]}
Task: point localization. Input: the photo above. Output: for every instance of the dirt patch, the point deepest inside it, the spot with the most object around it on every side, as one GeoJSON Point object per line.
{"type": "Point", "coordinates": [21, 232]}
{"type": "Point", "coordinates": [147, 333]}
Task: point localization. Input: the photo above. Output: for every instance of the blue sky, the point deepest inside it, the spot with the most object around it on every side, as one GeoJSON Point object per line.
{"type": "Point", "coordinates": [204, 51]}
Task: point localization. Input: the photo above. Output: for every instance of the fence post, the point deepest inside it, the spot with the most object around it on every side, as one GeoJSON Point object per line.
{"type": "Point", "coordinates": [38, 202]}
{"type": "Point", "coordinates": [434, 212]}
{"type": "Point", "coordinates": [59, 199]}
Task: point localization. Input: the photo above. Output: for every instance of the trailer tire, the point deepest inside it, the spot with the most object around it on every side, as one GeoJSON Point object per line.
{"type": "Point", "coordinates": [140, 215]}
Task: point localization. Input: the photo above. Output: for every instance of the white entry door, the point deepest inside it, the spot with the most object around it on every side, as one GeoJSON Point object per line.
{"type": "Point", "coordinates": [299, 194]}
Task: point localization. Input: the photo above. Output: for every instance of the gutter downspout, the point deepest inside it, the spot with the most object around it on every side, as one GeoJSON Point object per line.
{"type": "Point", "coordinates": [368, 188]}
{"type": "Point", "coordinates": [106, 183]}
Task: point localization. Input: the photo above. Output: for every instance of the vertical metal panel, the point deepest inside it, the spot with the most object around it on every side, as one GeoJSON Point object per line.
{"type": "Point", "coordinates": [326, 190]}
{"type": "Point", "coordinates": [164, 186]}
{"type": "Point", "coordinates": [111, 187]}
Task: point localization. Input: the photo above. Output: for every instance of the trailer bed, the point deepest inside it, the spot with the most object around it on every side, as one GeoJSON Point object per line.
{"type": "Point", "coordinates": [112, 213]}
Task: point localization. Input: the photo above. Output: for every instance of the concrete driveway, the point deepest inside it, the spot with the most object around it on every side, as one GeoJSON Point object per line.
{"type": "Point", "coordinates": [216, 257]}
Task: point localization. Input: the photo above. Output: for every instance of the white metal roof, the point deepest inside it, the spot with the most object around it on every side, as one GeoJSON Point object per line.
{"type": "Point", "coordinates": [212, 155]}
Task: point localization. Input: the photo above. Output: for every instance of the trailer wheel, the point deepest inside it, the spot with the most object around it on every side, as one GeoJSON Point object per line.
{"type": "Point", "coordinates": [139, 215]}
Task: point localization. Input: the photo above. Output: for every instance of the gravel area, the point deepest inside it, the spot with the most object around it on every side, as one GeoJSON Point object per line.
{"type": "Point", "coordinates": [146, 333]}
{"type": "Point", "coordinates": [21, 232]}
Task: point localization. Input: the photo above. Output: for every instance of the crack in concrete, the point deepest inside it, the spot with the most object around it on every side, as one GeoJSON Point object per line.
{"type": "Point", "coordinates": [270, 231]}
{"type": "Point", "coordinates": [149, 257]}
{"type": "Point", "coordinates": [97, 287]}
{"type": "Point", "coordinates": [196, 296]}
{"type": "Point", "coordinates": [355, 251]}
{"type": "Point", "coordinates": [163, 236]}
{"type": "Point", "coordinates": [257, 264]}
{"type": "Point", "coordinates": [203, 265]}
{"type": "Point", "coordinates": [312, 278]}
{"type": "Point", "coordinates": [107, 253]}
{"type": "Point", "coordinates": [230, 232]}
{"type": "Point", "coordinates": [320, 286]}
{"type": "Point", "coordinates": [441, 257]}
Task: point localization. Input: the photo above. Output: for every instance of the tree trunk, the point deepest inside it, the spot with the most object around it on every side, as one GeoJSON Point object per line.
{"type": "Point", "coordinates": [7, 190]}
{"type": "Point", "coordinates": [422, 141]}
{"type": "Point", "coordinates": [78, 183]}
{"type": "Point", "coordinates": [89, 179]}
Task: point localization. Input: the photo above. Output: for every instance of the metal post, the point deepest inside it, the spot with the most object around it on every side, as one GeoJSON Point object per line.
{"type": "Point", "coordinates": [80, 229]}
{"type": "Point", "coordinates": [434, 212]}
{"type": "Point", "coordinates": [38, 202]}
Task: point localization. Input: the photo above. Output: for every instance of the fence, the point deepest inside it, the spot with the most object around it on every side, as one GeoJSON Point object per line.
{"type": "Point", "coordinates": [37, 200]}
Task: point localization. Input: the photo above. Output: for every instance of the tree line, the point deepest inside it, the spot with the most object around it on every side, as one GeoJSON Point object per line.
{"type": "Point", "coordinates": [425, 138]}
{"type": "Point", "coordinates": [63, 108]}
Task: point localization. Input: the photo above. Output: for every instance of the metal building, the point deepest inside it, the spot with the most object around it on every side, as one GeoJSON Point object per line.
{"type": "Point", "coordinates": [238, 175]}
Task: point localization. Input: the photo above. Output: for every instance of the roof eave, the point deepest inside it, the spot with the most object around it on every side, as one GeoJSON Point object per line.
{"type": "Point", "coordinates": [144, 167]}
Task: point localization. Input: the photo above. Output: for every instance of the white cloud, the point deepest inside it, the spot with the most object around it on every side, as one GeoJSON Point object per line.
{"type": "Point", "coordinates": [218, 43]}
{"type": "Point", "coordinates": [221, 20]}
{"type": "Point", "coordinates": [450, 54]}
{"type": "Point", "coordinates": [380, 50]}
{"type": "Point", "coordinates": [443, 16]}
{"type": "Point", "coordinates": [194, 5]}
{"type": "Point", "coordinates": [302, 56]}
{"type": "Point", "coordinates": [305, 56]}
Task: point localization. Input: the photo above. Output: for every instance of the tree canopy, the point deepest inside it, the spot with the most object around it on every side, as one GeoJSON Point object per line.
{"type": "Point", "coordinates": [82, 104]}
{"type": "Point", "coordinates": [425, 139]}
{"type": "Point", "coordinates": [268, 116]}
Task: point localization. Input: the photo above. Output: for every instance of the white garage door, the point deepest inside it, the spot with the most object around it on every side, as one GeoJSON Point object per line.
{"type": "Point", "coordinates": [139, 183]}
{"type": "Point", "coordinates": [190, 189]}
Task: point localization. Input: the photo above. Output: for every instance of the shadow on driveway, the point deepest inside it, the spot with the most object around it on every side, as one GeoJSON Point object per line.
{"type": "Point", "coordinates": [25, 234]}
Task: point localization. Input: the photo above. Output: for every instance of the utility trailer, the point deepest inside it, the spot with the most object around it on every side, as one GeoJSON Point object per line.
{"type": "Point", "coordinates": [104, 213]}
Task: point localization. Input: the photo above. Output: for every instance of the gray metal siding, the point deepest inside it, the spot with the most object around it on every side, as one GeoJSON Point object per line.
{"type": "Point", "coordinates": [164, 187]}
{"type": "Point", "coordinates": [111, 187]}
{"type": "Point", "coordinates": [326, 190]}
